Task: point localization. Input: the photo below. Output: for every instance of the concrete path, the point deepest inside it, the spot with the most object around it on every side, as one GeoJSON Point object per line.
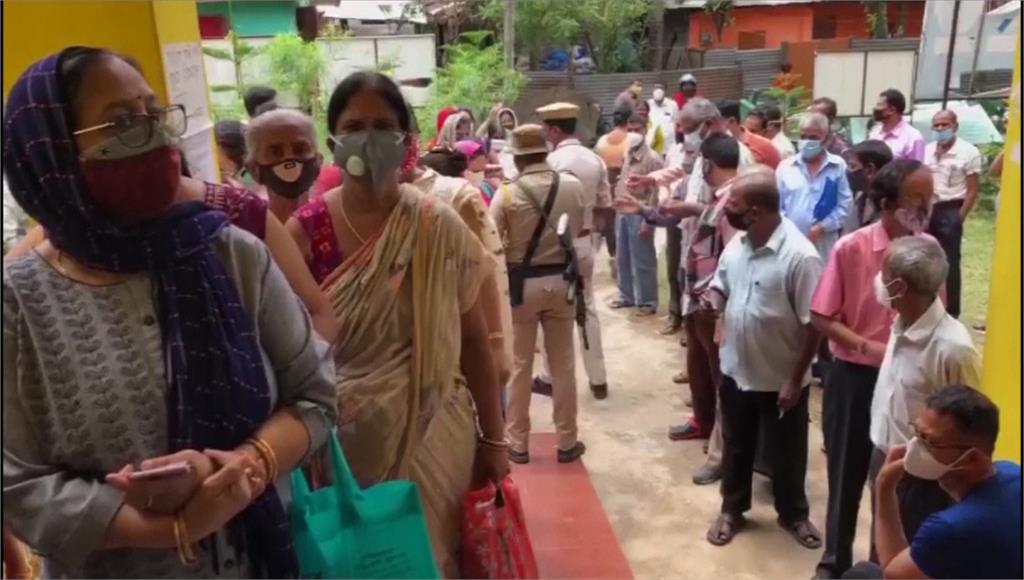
{"type": "Point", "coordinates": [644, 480]}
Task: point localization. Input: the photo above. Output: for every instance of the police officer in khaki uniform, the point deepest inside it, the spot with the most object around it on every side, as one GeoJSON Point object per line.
{"type": "Point", "coordinates": [568, 155]}
{"type": "Point", "coordinates": [543, 298]}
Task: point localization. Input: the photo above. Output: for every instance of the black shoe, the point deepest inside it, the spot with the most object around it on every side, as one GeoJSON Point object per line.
{"type": "Point", "coordinates": [541, 387]}
{"type": "Point", "coordinates": [706, 475]}
{"type": "Point", "coordinates": [570, 455]}
{"type": "Point", "coordinates": [600, 391]}
{"type": "Point", "coordinates": [519, 457]}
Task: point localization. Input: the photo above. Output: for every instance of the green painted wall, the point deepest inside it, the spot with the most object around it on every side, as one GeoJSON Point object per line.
{"type": "Point", "coordinates": [254, 18]}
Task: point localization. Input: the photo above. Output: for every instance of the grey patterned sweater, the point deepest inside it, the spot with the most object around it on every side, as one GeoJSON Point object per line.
{"type": "Point", "coordinates": [84, 393]}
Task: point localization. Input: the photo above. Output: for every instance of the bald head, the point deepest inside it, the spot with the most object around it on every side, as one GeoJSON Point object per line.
{"type": "Point", "coordinates": [945, 115]}
{"type": "Point", "coordinates": [945, 124]}
{"type": "Point", "coordinates": [757, 186]}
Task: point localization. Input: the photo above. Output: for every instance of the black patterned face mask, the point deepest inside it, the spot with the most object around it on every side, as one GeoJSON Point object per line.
{"type": "Point", "coordinates": [290, 178]}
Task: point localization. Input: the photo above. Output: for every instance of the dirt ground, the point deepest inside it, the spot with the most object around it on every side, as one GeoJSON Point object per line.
{"type": "Point", "coordinates": [644, 480]}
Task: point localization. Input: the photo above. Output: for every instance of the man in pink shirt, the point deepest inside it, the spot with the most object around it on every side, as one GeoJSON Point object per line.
{"type": "Point", "coordinates": [905, 141]}
{"type": "Point", "coordinates": [844, 308]}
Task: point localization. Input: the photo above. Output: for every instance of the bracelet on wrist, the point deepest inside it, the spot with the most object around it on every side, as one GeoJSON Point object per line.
{"type": "Point", "coordinates": [492, 443]}
{"type": "Point", "coordinates": [184, 544]}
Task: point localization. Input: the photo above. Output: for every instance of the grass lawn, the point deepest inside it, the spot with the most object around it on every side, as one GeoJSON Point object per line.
{"type": "Point", "coordinates": [976, 269]}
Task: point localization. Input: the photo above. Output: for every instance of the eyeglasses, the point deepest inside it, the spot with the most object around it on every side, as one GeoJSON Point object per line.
{"type": "Point", "coordinates": [136, 129]}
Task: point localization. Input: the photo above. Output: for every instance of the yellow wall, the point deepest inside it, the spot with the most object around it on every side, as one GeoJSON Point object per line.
{"type": "Point", "coordinates": [34, 29]}
{"type": "Point", "coordinates": [1001, 378]}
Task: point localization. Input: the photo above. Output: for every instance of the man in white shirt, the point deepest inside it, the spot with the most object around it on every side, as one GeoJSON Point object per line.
{"type": "Point", "coordinates": [663, 114]}
{"type": "Point", "coordinates": [570, 156]}
{"type": "Point", "coordinates": [956, 167]}
{"type": "Point", "coordinates": [763, 290]}
{"type": "Point", "coordinates": [927, 350]}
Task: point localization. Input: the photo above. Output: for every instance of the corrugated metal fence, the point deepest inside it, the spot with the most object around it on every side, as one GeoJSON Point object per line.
{"type": "Point", "coordinates": [913, 43]}
{"type": "Point", "coordinates": [758, 66]}
{"type": "Point", "coordinates": [713, 83]}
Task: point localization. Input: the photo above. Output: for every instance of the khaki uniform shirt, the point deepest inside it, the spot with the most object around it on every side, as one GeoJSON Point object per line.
{"type": "Point", "coordinates": [516, 215]}
{"type": "Point", "coordinates": [572, 157]}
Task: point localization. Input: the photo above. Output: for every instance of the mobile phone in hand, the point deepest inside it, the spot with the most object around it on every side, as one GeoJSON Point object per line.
{"type": "Point", "coordinates": [163, 472]}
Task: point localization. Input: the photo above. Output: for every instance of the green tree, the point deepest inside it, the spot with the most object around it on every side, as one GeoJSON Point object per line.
{"type": "Point", "coordinates": [876, 16]}
{"type": "Point", "coordinates": [720, 12]}
{"type": "Point", "coordinates": [238, 54]}
{"type": "Point", "coordinates": [475, 78]}
{"type": "Point", "coordinates": [296, 67]}
{"type": "Point", "coordinates": [609, 27]}
{"type": "Point", "coordinates": [540, 24]}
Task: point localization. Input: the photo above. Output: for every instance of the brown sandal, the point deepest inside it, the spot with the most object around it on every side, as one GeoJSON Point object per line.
{"type": "Point", "coordinates": [724, 529]}
{"type": "Point", "coordinates": [803, 532]}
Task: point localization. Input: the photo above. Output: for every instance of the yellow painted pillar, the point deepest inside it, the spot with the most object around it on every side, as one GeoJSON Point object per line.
{"type": "Point", "coordinates": [1001, 375]}
{"type": "Point", "coordinates": [162, 35]}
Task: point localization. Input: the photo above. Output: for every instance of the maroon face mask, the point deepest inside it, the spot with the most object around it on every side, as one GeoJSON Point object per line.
{"type": "Point", "coordinates": [134, 189]}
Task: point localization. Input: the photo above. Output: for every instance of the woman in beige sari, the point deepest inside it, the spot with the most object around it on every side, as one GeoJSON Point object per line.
{"type": "Point", "coordinates": [418, 393]}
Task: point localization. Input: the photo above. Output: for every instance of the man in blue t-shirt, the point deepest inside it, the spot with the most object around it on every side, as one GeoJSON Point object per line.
{"type": "Point", "coordinates": [977, 537]}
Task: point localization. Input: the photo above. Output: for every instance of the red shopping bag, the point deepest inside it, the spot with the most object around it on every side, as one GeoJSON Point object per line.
{"type": "Point", "coordinates": [495, 543]}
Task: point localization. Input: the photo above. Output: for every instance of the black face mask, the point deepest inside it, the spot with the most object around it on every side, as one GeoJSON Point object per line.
{"type": "Point", "coordinates": [879, 114]}
{"type": "Point", "coordinates": [858, 181]}
{"type": "Point", "coordinates": [739, 220]}
{"type": "Point", "coordinates": [290, 178]}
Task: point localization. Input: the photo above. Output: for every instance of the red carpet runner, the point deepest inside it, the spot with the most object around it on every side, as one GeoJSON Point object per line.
{"type": "Point", "coordinates": [571, 535]}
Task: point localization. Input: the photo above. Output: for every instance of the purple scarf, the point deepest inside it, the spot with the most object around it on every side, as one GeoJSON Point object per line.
{"type": "Point", "coordinates": [218, 394]}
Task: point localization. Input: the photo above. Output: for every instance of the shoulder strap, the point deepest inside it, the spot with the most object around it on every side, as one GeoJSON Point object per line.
{"type": "Point", "coordinates": [537, 231]}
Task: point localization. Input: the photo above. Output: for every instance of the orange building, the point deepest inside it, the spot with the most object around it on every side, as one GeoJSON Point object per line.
{"type": "Point", "coordinates": [769, 23]}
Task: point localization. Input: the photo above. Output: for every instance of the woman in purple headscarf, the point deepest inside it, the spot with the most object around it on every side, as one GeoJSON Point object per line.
{"type": "Point", "coordinates": [140, 334]}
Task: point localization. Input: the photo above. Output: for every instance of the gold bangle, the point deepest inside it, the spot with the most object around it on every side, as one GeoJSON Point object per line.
{"type": "Point", "coordinates": [269, 457]}
{"type": "Point", "coordinates": [497, 445]}
{"type": "Point", "coordinates": [185, 552]}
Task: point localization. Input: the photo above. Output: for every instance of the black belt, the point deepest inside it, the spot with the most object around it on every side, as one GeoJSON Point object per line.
{"type": "Point", "coordinates": [950, 203]}
{"type": "Point", "coordinates": [541, 271]}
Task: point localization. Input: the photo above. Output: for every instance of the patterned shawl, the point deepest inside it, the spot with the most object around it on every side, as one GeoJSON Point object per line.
{"type": "Point", "coordinates": [218, 394]}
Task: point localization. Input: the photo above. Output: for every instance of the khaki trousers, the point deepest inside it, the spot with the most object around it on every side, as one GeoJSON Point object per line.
{"type": "Point", "coordinates": [593, 357]}
{"type": "Point", "coordinates": [544, 306]}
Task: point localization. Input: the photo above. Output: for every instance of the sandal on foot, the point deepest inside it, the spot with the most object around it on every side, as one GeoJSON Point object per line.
{"type": "Point", "coordinates": [724, 529]}
{"type": "Point", "coordinates": [681, 378]}
{"type": "Point", "coordinates": [803, 532]}
{"type": "Point", "coordinates": [620, 303]}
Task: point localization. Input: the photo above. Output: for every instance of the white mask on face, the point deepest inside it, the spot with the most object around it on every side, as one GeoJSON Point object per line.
{"type": "Point", "coordinates": [920, 463]}
{"type": "Point", "coordinates": [693, 141]}
{"type": "Point", "coordinates": [882, 295]}
{"type": "Point", "coordinates": [635, 139]}
{"type": "Point", "coordinates": [659, 95]}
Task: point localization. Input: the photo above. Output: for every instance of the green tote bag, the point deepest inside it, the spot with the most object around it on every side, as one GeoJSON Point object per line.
{"type": "Point", "coordinates": [342, 531]}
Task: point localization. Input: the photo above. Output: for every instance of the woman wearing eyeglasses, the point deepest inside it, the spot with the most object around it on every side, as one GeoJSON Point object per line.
{"type": "Point", "coordinates": [143, 335]}
{"type": "Point", "coordinates": [244, 209]}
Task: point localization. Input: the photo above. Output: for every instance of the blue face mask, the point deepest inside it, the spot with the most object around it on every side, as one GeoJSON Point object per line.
{"type": "Point", "coordinates": [809, 148]}
{"type": "Point", "coordinates": [943, 136]}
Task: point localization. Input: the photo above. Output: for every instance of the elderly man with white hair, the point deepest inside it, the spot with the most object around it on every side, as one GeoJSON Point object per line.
{"type": "Point", "coordinates": [928, 349]}
{"type": "Point", "coordinates": [283, 158]}
{"type": "Point", "coordinates": [813, 186]}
